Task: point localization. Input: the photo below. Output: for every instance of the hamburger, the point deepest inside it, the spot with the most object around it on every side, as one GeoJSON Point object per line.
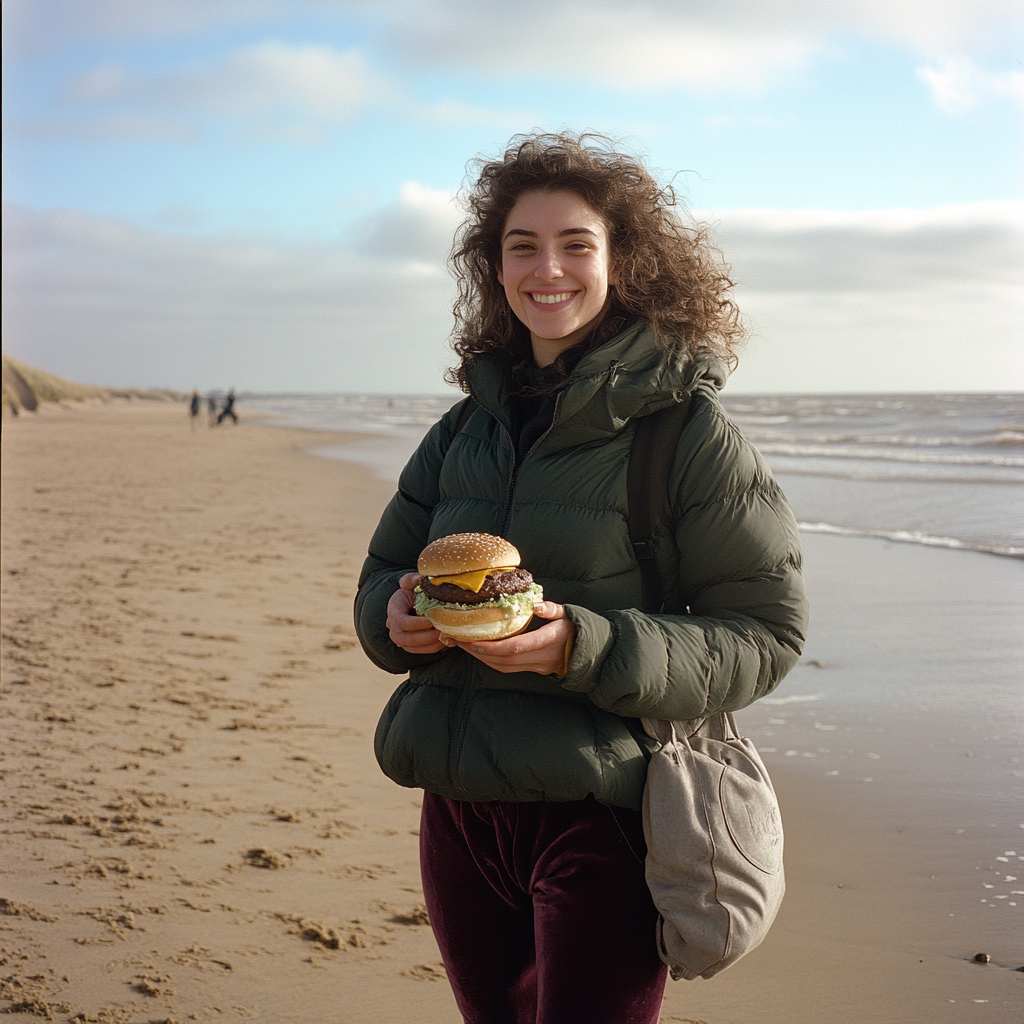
{"type": "Point", "coordinates": [473, 588]}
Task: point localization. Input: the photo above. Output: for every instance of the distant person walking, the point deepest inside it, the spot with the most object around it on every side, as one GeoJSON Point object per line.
{"type": "Point", "coordinates": [229, 408]}
{"type": "Point", "coordinates": [211, 411]}
{"type": "Point", "coordinates": [194, 406]}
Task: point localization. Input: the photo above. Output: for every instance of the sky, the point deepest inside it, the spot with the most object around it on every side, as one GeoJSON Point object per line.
{"type": "Point", "coordinates": [262, 193]}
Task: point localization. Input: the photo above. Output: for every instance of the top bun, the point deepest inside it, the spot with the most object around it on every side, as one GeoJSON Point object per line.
{"type": "Point", "coordinates": [466, 552]}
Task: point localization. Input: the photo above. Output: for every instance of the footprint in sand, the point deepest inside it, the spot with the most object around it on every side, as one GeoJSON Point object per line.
{"type": "Point", "coordinates": [427, 972]}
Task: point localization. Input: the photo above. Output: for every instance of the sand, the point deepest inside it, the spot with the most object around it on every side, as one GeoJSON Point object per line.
{"type": "Point", "coordinates": [194, 827]}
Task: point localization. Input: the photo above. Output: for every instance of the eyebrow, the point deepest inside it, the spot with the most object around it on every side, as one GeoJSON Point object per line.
{"type": "Point", "coordinates": [561, 234]}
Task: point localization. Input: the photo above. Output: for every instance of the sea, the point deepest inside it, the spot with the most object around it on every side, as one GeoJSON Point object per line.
{"type": "Point", "coordinates": [945, 470]}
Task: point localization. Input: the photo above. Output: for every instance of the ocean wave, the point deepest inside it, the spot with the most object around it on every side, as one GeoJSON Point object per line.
{"type": "Point", "coordinates": [742, 416]}
{"type": "Point", "coordinates": [1003, 437]}
{"type": "Point", "coordinates": [898, 478]}
{"type": "Point", "coordinates": [947, 459]}
{"type": "Point", "coordinates": [915, 537]}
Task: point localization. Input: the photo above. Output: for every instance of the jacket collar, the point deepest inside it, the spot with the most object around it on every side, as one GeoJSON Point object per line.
{"type": "Point", "coordinates": [626, 377]}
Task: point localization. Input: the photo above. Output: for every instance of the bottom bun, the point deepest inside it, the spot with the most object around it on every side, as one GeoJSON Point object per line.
{"type": "Point", "coordinates": [489, 623]}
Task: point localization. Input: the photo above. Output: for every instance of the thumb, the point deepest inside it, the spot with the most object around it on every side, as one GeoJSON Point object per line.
{"type": "Point", "coordinates": [549, 610]}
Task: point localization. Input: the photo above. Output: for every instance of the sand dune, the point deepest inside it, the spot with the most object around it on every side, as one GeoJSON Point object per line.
{"type": "Point", "coordinates": [25, 388]}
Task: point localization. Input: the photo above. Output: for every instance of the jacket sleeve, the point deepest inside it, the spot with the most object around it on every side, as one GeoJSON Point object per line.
{"type": "Point", "coordinates": [396, 544]}
{"type": "Point", "coordinates": [739, 581]}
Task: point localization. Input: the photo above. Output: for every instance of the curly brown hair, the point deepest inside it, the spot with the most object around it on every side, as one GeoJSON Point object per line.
{"type": "Point", "coordinates": [670, 273]}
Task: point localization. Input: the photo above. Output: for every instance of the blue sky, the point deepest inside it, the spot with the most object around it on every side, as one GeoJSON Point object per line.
{"type": "Point", "coordinates": [210, 192]}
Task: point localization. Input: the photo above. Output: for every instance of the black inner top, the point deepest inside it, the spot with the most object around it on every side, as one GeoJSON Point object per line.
{"type": "Point", "coordinates": [532, 408]}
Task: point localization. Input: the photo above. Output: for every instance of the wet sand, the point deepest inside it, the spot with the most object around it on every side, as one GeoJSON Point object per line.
{"type": "Point", "coordinates": [194, 827]}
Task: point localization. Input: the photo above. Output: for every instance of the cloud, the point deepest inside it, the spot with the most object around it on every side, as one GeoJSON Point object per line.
{"type": "Point", "coordinates": [652, 44]}
{"type": "Point", "coordinates": [266, 79]}
{"type": "Point", "coordinates": [957, 86]}
{"type": "Point", "coordinates": [623, 45]}
{"type": "Point", "coordinates": [456, 112]}
{"type": "Point", "coordinates": [637, 44]}
{"type": "Point", "coordinates": [110, 128]}
{"type": "Point", "coordinates": [269, 92]}
{"type": "Point", "coordinates": [924, 25]}
{"type": "Point", "coordinates": [880, 300]}
{"type": "Point", "coordinates": [418, 228]}
{"type": "Point", "coordinates": [98, 299]}
{"type": "Point", "coordinates": [877, 251]}
{"type": "Point", "coordinates": [39, 25]}
{"type": "Point", "coordinates": [868, 300]}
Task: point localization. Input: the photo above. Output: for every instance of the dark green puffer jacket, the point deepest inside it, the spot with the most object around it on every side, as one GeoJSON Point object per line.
{"type": "Point", "coordinates": [736, 608]}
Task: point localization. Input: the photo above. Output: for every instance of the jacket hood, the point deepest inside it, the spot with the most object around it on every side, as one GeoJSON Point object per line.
{"type": "Point", "coordinates": [627, 377]}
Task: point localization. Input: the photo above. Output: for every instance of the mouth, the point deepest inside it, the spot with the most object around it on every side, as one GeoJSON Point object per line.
{"type": "Point", "coordinates": [551, 299]}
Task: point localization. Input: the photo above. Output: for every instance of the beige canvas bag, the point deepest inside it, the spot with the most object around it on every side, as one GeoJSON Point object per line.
{"type": "Point", "coordinates": [714, 845]}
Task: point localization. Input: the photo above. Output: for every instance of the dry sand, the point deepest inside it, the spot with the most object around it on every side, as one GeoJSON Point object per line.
{"type": "Point", "coordinates": [194, 827]}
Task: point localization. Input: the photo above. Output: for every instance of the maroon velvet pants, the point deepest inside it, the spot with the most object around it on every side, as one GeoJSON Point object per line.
{"type": "Point", "coordinates": [541, 911]}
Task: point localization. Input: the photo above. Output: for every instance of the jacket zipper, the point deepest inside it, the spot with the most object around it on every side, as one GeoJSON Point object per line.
{"type": "Point", "coordinates": [462, 724]}
{"type": "Point", "coordinates": [466, 698]}
{"type": "Point", "coordinates": [506, 513]}
{"type": "Point", "coordinates": [613, 372]}
{"type": "Point", "coordinates": [469, 691]}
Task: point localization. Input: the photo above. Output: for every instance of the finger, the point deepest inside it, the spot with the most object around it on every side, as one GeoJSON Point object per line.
{"type": "Point", "coordinates": [505, 652]}
{"type": "Point", "coordinates": [520, 644]}
{"type": "Point", "coordinates": [401, 603]}
{"type": "Point", "coordinates": [418, 641]}
{"type": "Point", "coordinates": [408, 623]}
{"type": "Point", "coordinates": [410, 581]}
{"type": "Point", "coordinates": [493, 649]}
{"type": "Point", "coordinates": [534, 663]}
{"type": "Point", "coordinates": [549, 610]}
{"type": "Point", "coordinates": [402, 637]}
{"type": "Point", "coordinates": [435, 648]}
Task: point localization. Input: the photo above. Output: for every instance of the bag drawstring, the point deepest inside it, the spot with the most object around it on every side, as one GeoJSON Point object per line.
{"type": "Point", "coordinates": [643, 859]}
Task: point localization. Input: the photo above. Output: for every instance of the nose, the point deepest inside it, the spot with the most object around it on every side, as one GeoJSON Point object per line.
{"type": "Point", "coordinates": [549, 268]}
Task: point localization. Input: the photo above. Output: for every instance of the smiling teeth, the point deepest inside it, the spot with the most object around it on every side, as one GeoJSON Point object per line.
{"type": "Point", "coordinates": [551, 299]}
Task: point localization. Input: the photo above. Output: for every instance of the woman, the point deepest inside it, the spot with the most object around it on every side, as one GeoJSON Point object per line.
{"type": "Point", "coordinates": [584, 304]}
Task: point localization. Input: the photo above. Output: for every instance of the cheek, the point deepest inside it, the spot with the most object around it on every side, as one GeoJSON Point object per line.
{"type": "Point", "coordinates": [602, 281]}
{"type": "Point", "coordinates": [508, 281]}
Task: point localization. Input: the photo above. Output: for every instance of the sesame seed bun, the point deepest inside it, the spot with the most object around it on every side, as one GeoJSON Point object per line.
{"type": "Point", "coordinates": [466, 552]}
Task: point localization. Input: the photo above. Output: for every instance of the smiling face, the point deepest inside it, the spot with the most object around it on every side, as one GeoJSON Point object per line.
{"type": "Point", "coordinates": [556, 269]}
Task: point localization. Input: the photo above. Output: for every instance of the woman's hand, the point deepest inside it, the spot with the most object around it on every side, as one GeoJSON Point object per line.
{"type": "Point", "coordinates": [541, 650]}
{"type": "Point", "coordinates": [408, 630]}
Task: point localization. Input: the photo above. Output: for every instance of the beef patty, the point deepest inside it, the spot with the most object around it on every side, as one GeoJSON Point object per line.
{"type": "Point", "coordinates": [494, 586]}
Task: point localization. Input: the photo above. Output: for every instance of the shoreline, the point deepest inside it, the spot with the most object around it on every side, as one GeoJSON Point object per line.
{"type": "Point", "coordinates": [380, 452]}
{"type": "Point", "coordinates": [194, 822]}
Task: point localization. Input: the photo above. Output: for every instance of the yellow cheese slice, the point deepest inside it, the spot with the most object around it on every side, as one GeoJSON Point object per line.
{"type": "Point", "coordinates": [469, 580]}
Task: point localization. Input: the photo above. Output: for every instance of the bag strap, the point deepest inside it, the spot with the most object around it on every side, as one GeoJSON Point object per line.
{"type": "Point", "coordinates": [650, 462]}
{"type": "Point", "coordinates": [721, 726]}
{"type": "Point", "coordinates": [469, 407]}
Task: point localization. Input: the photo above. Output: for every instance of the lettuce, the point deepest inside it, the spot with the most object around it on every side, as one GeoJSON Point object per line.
{"type": "Point", "coordinates": [515, 603]}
